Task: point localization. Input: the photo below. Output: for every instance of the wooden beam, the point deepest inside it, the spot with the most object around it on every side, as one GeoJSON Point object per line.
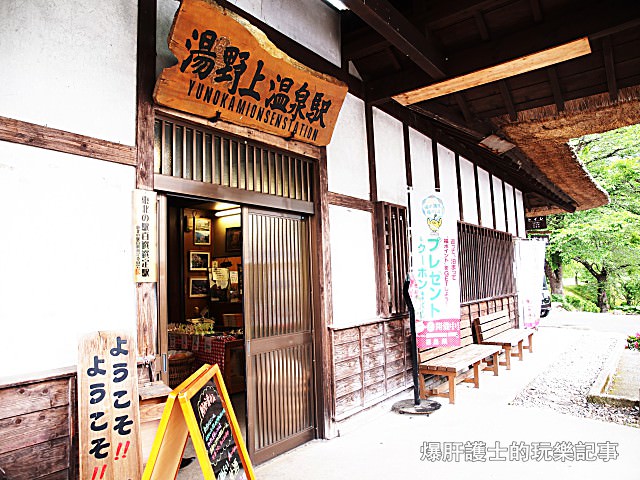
{"type": "Point", "coordinates": [511, 68]}
{"type": "Point", "coordinates": [347, 201]}
{"type": "Point", "coordinates": [401, 33]}
{"type": "Point", "coordinates": [362, 44]}
{"type": "Point", "coordinates": [513, 166]}
{"type": "Point", "coordinates": [587, 20]}
{"type": "Point", "coordinates": [464, 107]}
{"type": "Point", "coordinates": [407, 154]}
{"type": "Point", "coordinates": [454, 12]}
{"type": "Point", "coordinates": [25, 133]}
{"type": "Point", "coordinates": [481, 25]}
{"type": "Point", "coordinates": [536, 11]}
{"type": "Point", "coordinates": [555, 88]}
{"type": "Point", "coordinates": [371, 153]}
{"type": "Point", "coordinates": [610, 68]}
{"type": "Point", "coordinates": [508, 100]}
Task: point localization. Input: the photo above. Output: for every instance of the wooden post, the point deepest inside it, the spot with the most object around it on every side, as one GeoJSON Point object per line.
{"type": "Point", "coordinates": [145, 292]}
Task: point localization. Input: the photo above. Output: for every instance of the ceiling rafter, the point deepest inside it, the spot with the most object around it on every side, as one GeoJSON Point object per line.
{"type": "Point", "coordinates": [552, 74]}
{"type": "Point", "coordinates": [500, 71]}
{"type": "Point", "coordinates": [536, 10]}
{"type": "Point", "coordinates": [610, 69]}
{"type": "Point", "coordinates": [482, 25]}
{"type": "Point", "coordinates": [505, 92]}
{"type": "Point", "coordinates": [401, 33]}
{"type": "Point", "coordinates": [589, 21]}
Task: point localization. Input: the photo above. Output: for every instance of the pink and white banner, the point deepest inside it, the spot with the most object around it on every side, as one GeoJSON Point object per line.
{"type": "Point", "coordinates": [435, 279]}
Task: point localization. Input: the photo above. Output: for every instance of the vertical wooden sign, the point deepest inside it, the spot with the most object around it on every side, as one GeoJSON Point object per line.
{"type": "Point", "coordinates": [108, 414]}
{"type": "Point", "coordinates": [204, 411]}
{"type": "Point", "coordinates": [145, 237]}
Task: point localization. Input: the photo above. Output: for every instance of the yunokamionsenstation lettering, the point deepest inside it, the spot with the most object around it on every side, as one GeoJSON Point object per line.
{"type": "Point", "coordinates": [229, 70]}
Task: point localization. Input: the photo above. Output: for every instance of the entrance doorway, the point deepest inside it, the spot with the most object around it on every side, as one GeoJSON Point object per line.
{"type": "Point", "coordinates": [279, 334]}
{"type": "Point", "coordinates": [235, 290]}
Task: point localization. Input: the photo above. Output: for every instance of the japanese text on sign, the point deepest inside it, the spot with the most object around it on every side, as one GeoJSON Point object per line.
{"type": "Point", "coordinates": [145, 237]}
{"type": "Point", "coordinates": [229, 70]}
{"type": "Point", "coordinates": [108, 408]}
{"type": "Point", "coordinates": [434, 288]}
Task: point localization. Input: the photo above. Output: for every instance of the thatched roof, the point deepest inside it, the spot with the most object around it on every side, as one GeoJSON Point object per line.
{"type": "Point", "coordinates": [542, 134]}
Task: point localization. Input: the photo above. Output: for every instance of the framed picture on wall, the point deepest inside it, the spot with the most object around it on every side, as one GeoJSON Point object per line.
{"type": "Point", "coordinates": [199, 261]}
{"type": "Point", "coordinates": [233, 240]}
{"type": "Point", "coordinates": [202, 231]}
{"type": "Point", "coordinates": [198, 287]}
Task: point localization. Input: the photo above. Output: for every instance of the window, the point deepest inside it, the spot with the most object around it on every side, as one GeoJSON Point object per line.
{"type": "Point", "coordinates": [391, 221]}
{"type": "Point", "coordinates": [486, 263]}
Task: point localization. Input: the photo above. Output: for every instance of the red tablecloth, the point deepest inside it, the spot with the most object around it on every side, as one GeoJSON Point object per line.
{"type": "Point", "coordinates": [206, 349]}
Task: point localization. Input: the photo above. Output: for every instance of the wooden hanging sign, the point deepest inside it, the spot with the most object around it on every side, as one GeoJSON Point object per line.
{"type": "Point", "coordinates": [200, 407]}
{"type": "Point", "coordinates": [228, 69]}
{"type": "Point", "coordinates": [108, 414]}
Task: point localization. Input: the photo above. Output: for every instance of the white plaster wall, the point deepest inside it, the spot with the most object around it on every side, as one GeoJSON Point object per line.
{"type": "Point", "coordinates": [347, 157]}
{"type": "Point", "coordinates": [468, 185]}
{"type": "Point", "coordinates": [420, 147]}
{"type": "Point", "coordinates": [66, 258]}
{"type": "Point", "coordinates": [485, 198]}
{"type": "Point", "coordinates": [498, 197]}
{"type": "Point", "coordinates": [511, 209]}
{"type": "Point", "coordinates": [70, 65]}
{"type": "Point", "coordinates": [352, 266]}
{"type": "Point", "coordinates": [390, 167]}
{"type": "Point", "coordinates": [448, 179]}
{"type": "Point", "coordinates": [311, 23]}
{"type": "Point", "coordinates": [520, 214]}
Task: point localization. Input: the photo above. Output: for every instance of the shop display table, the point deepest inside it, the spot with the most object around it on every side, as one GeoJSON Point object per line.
{"type": "Point", "coordinates": [225, 350]}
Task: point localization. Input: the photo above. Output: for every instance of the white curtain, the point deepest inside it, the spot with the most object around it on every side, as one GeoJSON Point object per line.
{"type": "Point", "coordinates": [529, 271]}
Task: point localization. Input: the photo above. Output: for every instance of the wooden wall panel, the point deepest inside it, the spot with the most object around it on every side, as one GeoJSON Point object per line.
{"type": "Point", "coordinates": [370, 364]}
{"type": "Point", "coordinates": [38, 421]}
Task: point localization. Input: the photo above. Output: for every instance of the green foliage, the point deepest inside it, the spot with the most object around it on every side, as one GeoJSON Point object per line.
{"type": "Point", "coordinates": [605, 241]}
{"type": "Point", "coordinates": [630, 309]}
{"type": "Point", "coordinates": [582, 304]}
{"type": "Point", "coordinates": [580, 297]}
{"type": "Point", "coordinates": [562, 300]}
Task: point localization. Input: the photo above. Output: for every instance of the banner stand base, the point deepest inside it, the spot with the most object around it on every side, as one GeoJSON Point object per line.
{"type": "Point", "coordinates": [425, 407]}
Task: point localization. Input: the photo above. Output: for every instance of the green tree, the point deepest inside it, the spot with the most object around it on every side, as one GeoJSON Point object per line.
{"type": "Point", "coordinates": [605, 240]}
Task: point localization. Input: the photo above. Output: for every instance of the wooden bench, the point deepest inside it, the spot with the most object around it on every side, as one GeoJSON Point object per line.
{"type": "Point", "coordinates": [451, 362]}
{"type": "Point", "coordinates": [496, 329]}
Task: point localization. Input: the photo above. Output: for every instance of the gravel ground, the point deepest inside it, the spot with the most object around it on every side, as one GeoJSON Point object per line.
{"type": "Point", "coordinates": [564, 386]}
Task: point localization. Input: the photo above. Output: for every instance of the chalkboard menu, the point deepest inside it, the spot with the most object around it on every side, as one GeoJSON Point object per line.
{"type": "Point", "coordinates": [205, 413]}
{"type": "Point", "coordinates": [216, 433]}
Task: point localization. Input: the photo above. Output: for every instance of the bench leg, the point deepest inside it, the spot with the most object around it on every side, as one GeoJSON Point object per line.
{"type": "Point", "coordinates": [507, 356]}
{"type": "Point", "coordinates": [452, 388]}
{"type": "Point", "coordinates": [496, 363]}
{"type": "Point", "coordinates": [476, 375]}
{"type": "Point", "coordinates": [520, 350]}
{"type": "Point", "coordinates": [530, 347]}
{"type": "Point", "coordinates": [423, 389]}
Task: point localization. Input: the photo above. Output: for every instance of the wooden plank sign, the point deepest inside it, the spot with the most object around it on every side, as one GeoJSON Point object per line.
{"type": "Point", "coordinates": [108, 414]}
{"type": "Point", "coordinates": [204, 411]}
{"type": "Point", "coordinates": [228, 69]}
{"type": "Point", "coordinates": [145, 236]}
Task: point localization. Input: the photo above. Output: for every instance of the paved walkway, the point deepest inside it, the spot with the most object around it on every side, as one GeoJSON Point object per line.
{"type": "Point", "coordinates": [379, 444]}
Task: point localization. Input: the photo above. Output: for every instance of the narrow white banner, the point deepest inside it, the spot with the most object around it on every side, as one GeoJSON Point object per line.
{"type": "Point", "coordinates": [435, 279]}
{"type": "Point", "coordinates": [529, 267]}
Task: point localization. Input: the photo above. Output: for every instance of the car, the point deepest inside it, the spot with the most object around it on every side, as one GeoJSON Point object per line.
{"type": "Point", "coordinates": [545, 307]}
